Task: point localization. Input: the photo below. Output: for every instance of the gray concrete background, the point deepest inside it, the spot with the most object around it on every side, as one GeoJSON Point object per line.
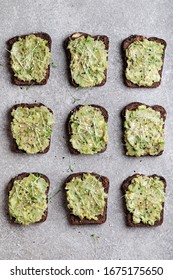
{"type": "Point", "coordinates": [56, 238]}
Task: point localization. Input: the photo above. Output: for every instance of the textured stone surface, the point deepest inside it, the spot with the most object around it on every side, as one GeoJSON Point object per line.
{"type": "Point", "coordinates": [56, 238]}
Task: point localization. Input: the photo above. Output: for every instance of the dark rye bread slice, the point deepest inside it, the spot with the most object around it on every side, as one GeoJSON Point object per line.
{"type": "Point", "coordinates": [69, 129]}
{"type": "Point", "coordinates": [125, 45]}
{"type": "Point", "coordinates": [133, 106]}
{"type": "Point", "coordinates": [75, 35]}
{"type": "Point", "coordinates": [74, 220]}
{"type": "Point", "coordinates": [10, 43]}
{"type": "Point", "coordinates": [20, 177]}
{"type": "Point", "coordinates": [129, 219]}
{"type": "Point", "coordinates": [14, 146]}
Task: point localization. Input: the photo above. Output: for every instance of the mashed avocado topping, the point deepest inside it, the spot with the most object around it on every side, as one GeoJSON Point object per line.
{"type": "Point", "coordinates": [32, 128]}
{"type": "Point", "coordinates": [28, 200]}
{"type": "Point", "coordinates": [144, 132]}
{"type": "Point", "coordinates": [89, 130]}
{"type": "Point", "coordinates": [88, 61]}
{"type": "Point", "coordinates": [144, 61]}
{"type": "Point", "coordinates": [144, 199]}
{"type": "Point", "coordinates": [30, 57]}
{"type": "Point", "coordinates": [86, 196]}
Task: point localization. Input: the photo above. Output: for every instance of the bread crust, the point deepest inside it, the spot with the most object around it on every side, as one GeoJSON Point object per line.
{"type": "Point", "coordinates": [14, 79]}
{"type": "Point", "coordinates": [75, 35]}
{"type": "Point", "coordinates": [69, 129]}
{"type": "Point", "coordinates": [133, 106]}
{"type": "Point", "coordinates": [129, 216]}
{"type": "Point", "coordinates": [74, 220]}
{"type": "Point", "coordinates": [27, 105]}
{"type": "Point", "coordinates": [125, 45]}
{"type": "Point", "coordinates": [20, 177]}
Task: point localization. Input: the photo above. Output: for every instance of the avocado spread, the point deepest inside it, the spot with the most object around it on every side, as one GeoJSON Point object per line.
{"type": "Point", "coordinates": [86, 196]}
{"type": "Point", "coordinates": [88, 61]}
{"type": "Point", "coordinates": [89, 130]}
{"type": "Point", "coordinates": [30, 57]}
{"type": "Point", "coordinates": [144, 61]}
{"type": "Point", "coordinates": [144, 132]}
{"type": "Point", "coordinates": [28, 199]}
{"type": "Point", "coordinates": [144, 199]}
{"type": "Point", "coordinates": [32, 128]}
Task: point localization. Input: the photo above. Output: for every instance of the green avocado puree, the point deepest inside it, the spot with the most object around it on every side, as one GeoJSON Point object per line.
{"type": "Point", "coordinates": [32, 128]}
{"type": "Point", "coordinates": [144, 199]}
{"type": "Point", "coordinates": [144, 61]}
{"type": "Point", "coordinates": [30, 57]}
{"type": "Point", "coordinates": [144, 132]}
{"type": "Point", "coordinates": [28, 199]}
{"type": "Point", "coordinates": [89, 130]}
{"type": "Point", "coordinates": [86, 196]}
{"type": "Point", "coordinates": [88, 61]}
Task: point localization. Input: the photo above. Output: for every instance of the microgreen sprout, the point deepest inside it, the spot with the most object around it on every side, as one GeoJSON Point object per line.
{"type": "Point", "coordinates": [54, 65]}
{"type": "Point", "coordinates": [51, 196]}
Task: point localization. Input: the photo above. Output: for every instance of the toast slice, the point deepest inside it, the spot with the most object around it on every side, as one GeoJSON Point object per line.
{"type": "Point", "coordinates": [24, 206]}
{"type": "Point", "coordinates": [31, 132]}
{"type": "Point", "coordinates": [143, 61]}
{"type": "Point", "coordinates": [87, 74]}
{"type": "Point", "coordinates": [146, 200]}
{"type": "Point", "coordinates": [87, 129]}
{"type": "Point", "coordinates": [29, 65]}
{"type": "Point", "coordinates": [83, 194]}
{"type": "Point", "coordinates": [143, 128]}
